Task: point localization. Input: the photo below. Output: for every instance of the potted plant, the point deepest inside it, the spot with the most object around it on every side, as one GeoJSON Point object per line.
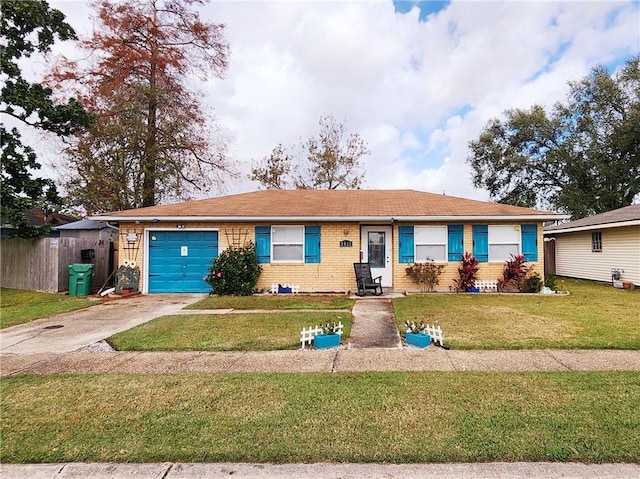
{"type": "Point", "coordinates": [329, 337]}
{"type": "Point", "coordinates": [415, 334]}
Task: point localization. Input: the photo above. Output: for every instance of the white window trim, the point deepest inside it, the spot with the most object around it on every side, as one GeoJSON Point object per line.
{"type": "Point", "coordinates": [445, 243]}
{"type": "Point", "coordinates": [274, 243]}
{"type": "Point", "coordinates": [495, 243]}
{"type": "Point", "coordinates": [593, 243]}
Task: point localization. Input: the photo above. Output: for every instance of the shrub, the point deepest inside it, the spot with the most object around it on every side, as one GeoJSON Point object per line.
{"type": "Point", "coordinates": [532, 284]}
{"type": "Point", "coordinates": [235, 271]}
{"type": "Point", "coordinates": [514, 273]}
{"type": "Point", "coordinates": [551, 281]}
{"type": "Point", "coordinates": [467, 273]}
{"type": "Point", "coordinates": [426, 274]}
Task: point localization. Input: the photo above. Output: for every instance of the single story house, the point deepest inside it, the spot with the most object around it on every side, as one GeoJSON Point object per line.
{"type": "Point", "coordinates": [594, 247]}
{"type": "Point", "coordinates": [311, 238]}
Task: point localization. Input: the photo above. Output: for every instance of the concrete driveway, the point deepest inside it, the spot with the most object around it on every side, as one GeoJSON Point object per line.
{"type": "Point", "coordinates": [71, 331]}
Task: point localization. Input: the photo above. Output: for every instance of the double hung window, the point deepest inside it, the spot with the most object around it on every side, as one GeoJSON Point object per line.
{"type": "Point", "coordinates": [504, 241]}
{"type": "Point", "coordinates": [287, 244]}
{"type": "Point", "coordinates": [430, 242]}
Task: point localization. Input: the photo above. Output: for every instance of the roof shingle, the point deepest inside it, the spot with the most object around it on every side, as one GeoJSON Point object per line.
{"type": "Point", "coordinates": [620, 215]}
{"type": "Point", "coordinates": [329, 203]}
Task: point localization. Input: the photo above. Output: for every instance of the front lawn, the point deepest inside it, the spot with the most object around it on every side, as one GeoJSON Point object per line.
{"type": "Point", "coordinates": [593, 316]}
{"type": "Point", "coordinates": [307, 418]}
{"type": "Point", "coordinates": [17, 306]}
{"type": "Point", "coordinates": [228, 332]}
{"type": "Point", "coordinates": [265, 301]}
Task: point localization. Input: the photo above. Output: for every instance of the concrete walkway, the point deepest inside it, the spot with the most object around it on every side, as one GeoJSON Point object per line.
{"type": "Point", "coordinates": [496, 470]}
{"type": "Point", "coordinates": [374, 325]}
{"type": "Point", "coordinates": [76, 329]}
{"type": "Point", "coordinates": [328, 361]}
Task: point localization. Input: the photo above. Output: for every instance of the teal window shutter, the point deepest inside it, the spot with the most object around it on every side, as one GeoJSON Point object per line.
{"type": "Point", "coordinates": [311, 244]}
{"type": "Point", "coordinates": [455, 240]}
{"type": "Point", "coordinates": [530, 242]}
{"type": "Point", "coordinates": [481, 243]}
{"type": "Point", "coordinates": [263, 244]}
{"type": "Point", "coordinates": [405, 235]}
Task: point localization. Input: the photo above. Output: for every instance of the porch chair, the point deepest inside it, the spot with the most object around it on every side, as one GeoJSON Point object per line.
{"type": "Point", "coordinates": [365, 281]}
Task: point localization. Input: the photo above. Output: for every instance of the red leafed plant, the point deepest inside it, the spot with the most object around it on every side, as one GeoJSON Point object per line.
{"type": "Point", "coordinates": [514, 273]}
{"type": "Point", "coordinates": [467, 273]}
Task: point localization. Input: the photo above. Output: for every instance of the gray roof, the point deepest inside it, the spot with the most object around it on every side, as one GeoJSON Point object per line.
{"type": "Point", "coordinates": [627, 214]}
{"type": "Point", "coordinates": [83, 225]}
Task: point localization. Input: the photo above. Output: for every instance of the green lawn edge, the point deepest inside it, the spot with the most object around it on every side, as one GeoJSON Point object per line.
{"type": "Point", "coordinates": [19, 306]}
{"type": "Point", "coordinates": [388, 417]}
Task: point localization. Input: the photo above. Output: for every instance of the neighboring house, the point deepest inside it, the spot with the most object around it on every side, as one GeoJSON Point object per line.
{"type": "Point", "coordinates": [591, 248]}
{"type": "Point", "coordinates": [312, 237]}
{"type": "Point", "coordinates": [36, 217]}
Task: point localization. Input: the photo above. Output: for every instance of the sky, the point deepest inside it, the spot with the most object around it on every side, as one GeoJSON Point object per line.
{"type": "Point", "coordinates": [417, 80]}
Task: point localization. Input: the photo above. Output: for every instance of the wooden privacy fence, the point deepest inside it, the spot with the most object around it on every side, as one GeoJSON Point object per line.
{"type": "Point", "coordinates": [42, 264]}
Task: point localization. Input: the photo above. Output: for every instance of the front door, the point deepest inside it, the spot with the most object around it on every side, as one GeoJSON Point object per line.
{"type": "Point", "coordinates": [375, 245]}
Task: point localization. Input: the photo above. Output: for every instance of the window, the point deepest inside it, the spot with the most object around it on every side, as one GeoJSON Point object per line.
{"type": "Point", "coordinates": [504, 241]}
{"type": "Point", "coordinates": [596, 242]}
{"type": "Point", "coordinates": [287, 243]}
{"type": "Point", "coordinates": [431, 242]}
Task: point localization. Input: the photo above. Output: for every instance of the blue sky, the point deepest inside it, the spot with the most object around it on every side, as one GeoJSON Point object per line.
{"type": "Point", "coordinates": [418, 80]}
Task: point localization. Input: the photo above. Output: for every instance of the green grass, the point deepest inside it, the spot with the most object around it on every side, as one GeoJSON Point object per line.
{"type": "Point", "coordinates": [290, 418]}
{"type": "Point", "coordinates": [17, 306]}
{"type": "Point", "coordinates": [593, 316]}
{"type": "Point", "coordinates": [229, 332]}
{"type": "Point", "coordinates": [297, 301]}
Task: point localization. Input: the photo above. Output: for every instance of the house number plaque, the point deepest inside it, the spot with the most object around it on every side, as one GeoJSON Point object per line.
{"type": "Point", "coordinates": [346, 244]}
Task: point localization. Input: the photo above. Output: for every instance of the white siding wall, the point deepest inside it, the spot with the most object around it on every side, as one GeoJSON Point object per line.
{"type": "Point", "coordinates": [620, 249]}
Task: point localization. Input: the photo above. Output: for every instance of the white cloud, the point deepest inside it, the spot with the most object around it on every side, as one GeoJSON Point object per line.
{"type": "Point", "coordinates": [400, 83]}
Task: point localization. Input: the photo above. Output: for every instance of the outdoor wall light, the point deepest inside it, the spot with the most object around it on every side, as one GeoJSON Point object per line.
{"type": "Point", "coordinates": [346, 232]}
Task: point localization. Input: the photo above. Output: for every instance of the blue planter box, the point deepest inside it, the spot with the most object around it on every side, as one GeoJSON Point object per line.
{"type": "Point", "coordinates": [322, 341]}
{"type": "Point", "coordinates": [420, 339]}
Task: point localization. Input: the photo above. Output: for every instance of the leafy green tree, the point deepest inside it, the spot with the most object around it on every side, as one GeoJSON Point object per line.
{"type": "Point", "coordinates": [330, 161]}
{"type": "Point", "coordinates": [581, 158]}
{"type": "Point", "coordinates": [27, 28]}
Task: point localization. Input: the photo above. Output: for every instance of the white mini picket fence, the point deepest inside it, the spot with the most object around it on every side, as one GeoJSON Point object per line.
{"type": "Point", "coordinates": [485, 285]}
{"type": "Point", "coordinates": [307, 334]}
{"type": "Point", "coordinates": [295, 288]}
{"type": "Point", "coordinates": [435, 331]}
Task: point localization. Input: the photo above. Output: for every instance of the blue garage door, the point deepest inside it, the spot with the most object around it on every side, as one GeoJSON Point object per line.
{"type": "Point", "coordinates": [178, 260]}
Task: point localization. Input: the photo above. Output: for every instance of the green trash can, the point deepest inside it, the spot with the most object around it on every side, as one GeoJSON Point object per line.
{"type": "Point", "coordinates": [80, 276]}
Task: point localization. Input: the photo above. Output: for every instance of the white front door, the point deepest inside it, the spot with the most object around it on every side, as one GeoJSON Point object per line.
{"type": "Point", "coordinates": [375, 244]}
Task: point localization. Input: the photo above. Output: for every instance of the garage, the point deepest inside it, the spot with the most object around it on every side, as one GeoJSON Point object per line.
{"type": "Point", "coordinates": [179, 260]}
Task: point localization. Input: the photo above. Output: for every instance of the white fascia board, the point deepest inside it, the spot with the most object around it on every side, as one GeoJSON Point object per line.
{"type": "Point", "coordinates": [330, 219]}
{"type": "Point", "coordinates": [602, 226]}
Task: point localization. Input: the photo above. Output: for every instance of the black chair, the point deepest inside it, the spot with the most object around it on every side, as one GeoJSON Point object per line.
{"type": "Point", "coordinates": [365, 281]}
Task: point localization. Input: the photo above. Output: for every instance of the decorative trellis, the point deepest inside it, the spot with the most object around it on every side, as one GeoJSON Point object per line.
{"type": "Point", "coordinates": [236, 237]}
{"type": "Point", "coordinates": [307, 334]}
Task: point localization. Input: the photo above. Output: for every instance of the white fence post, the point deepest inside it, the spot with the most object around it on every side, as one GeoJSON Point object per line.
{"type": "Point", "coordinates": [307, 334]}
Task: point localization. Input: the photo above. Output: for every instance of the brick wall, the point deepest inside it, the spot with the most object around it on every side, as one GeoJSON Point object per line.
{"type": "Point", "coordinates": [333, 273]}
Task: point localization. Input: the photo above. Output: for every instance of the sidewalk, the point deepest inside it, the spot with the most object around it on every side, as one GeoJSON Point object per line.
{"type": "Point", "coordinates": [336, 360]}
{"type": "Point", "coordinates": [496, 470]}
